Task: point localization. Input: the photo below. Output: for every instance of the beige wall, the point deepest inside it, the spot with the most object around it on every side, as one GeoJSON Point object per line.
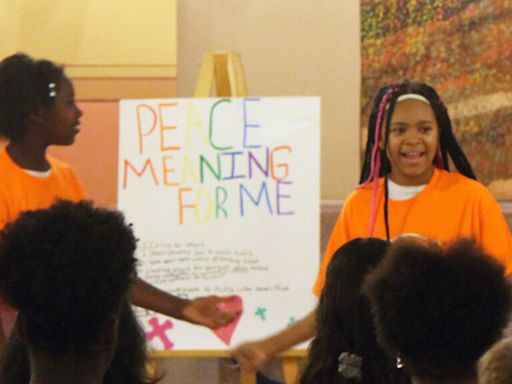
{"type": "Point", "coordinates": [115, 38]}
{"type": "Point", "coordinates": [112, 49]}
{"type": "Point", "coordinates": [288, 48]}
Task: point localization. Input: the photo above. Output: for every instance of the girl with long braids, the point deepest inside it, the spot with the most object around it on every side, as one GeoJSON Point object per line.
{"type": "Point", "coordinates": [405, 187]}
{"type": "Point", "coordinates": [406, 183]}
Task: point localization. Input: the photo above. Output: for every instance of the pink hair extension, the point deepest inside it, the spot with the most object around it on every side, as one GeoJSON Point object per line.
{"type": "Point", "coordinates": [376, 160]}
{"type": "Point", "coordinates": [373, 215]}
{"type": "Point", "coordinates": [374, 169]}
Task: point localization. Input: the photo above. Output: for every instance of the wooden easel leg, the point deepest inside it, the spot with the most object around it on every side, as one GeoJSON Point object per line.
{"type": "Point", "coordinates": [290, 369]}
{"type": "Point", "coordinates": [247, 377]}
{"type": "Point", "coordinates": [205, 80]}
{"type": "Point", "coordinates": [151, 366]}
{"type": "Point", "coordinates": [222, 84]}
{"type": "Point", "coordinates": [236, 75]}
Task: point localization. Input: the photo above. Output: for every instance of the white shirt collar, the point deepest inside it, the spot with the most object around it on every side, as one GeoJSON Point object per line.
{"type": "Point", "coordinates": [403, 192]}
{"type": "Point", "coordinates": [39, 174]}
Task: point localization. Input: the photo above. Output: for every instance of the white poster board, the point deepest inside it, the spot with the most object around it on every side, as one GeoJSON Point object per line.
{"type": "Point", "coordinates": [224, 198]}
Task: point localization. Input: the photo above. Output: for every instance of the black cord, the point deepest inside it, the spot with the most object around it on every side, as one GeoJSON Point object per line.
{"type": "Point", "coordinates": [386, 199]}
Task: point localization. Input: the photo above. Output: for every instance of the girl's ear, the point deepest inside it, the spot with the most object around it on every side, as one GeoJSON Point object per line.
{"type": "Point", "coordinates": [381, 143]}
{"type": "Point", "coordinates": [382, 132]}
{"type": "Point", "coordinates": [382, 138]}
{"type": "Point", "coordinates": [38, 117]}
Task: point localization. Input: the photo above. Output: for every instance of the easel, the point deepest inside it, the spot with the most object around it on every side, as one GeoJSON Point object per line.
{"type": "Point", "coordinates": [226, 68]}
{"type": "Point", "coordinates": [227, 71]}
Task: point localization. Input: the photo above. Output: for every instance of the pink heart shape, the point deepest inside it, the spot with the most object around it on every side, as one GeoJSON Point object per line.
{"type": "Point", "coordinates": [225, 332]}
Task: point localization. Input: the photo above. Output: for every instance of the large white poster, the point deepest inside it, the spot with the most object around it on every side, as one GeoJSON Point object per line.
{"type": "Point", "coordinates": [224, 197]}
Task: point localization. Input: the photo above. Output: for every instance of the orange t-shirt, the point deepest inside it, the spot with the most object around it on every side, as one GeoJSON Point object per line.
{"type": "Point", "coordinates": [20, 191]}
{"type": "Point", "coordinates": [450, 206]}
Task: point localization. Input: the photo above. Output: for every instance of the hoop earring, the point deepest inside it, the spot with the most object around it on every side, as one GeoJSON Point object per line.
{"type": "Point", "coordinates": [399, 362]}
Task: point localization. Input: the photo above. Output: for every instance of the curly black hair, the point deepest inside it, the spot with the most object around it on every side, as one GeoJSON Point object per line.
{"type": "Point", "coordinates": [344, 321]}
{"type": "Point", "coordinates": [438, 307]}
{"type": "Point", "coordinates": [67, 269]}
{"type": "Point", "coordinates": [24, 91]}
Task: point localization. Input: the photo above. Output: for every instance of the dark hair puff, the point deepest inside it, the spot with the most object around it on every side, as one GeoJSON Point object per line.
{"type": "Point", "coordinates": [66, 269]}
{"type": "Point", "coordinates": [439, 307]}
{"type": "Point", "coordinates": [24, 91]}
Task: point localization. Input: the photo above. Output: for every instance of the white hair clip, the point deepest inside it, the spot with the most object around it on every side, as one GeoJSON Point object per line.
{"type": "Point", "coordinates": [52, 89]}
{"type": "Point", "coordinates": [350, 366]}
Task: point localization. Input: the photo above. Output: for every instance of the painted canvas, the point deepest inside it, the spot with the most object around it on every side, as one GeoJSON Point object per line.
{"type": "Point", "coordinates": [464, 49]}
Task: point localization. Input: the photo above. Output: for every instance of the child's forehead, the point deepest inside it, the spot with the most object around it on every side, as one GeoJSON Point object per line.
{"type": "Point", "coordinates": [412, 108]}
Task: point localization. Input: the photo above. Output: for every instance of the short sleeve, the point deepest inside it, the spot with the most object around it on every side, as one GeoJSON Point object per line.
{"type": "Point", "coordinates": [339, 236]}
{"type": "Point", "coordinates": [494, 231]}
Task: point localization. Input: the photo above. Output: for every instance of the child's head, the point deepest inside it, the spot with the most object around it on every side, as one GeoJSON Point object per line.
{"type": "Point", "coordinates": [437, 307]}
{"type": "Point", "coordinates": [410, 133]}
{"type": "Point", "coordinates": [36, 92]}
{"type": "Point", "coordinates": [344, 323]}
{"type": "Point", "coordinates": [67, 269]}
{"type": "Point", "coordinates": [128, 365]}
{"type": "Point", "coordinates": [495, 366]}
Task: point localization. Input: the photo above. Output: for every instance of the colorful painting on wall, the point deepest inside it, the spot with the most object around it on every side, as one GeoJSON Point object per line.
{"type": "Point", "coordinates": [464, 49]}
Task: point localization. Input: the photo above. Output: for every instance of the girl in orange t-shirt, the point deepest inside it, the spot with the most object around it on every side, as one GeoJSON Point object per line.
{"type": "Point", "coordinates": [38, 109]}
{"type": "Point", "coordinates": [406, 187]}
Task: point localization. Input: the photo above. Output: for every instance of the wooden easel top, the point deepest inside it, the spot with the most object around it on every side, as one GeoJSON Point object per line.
{"type": "Point", "coordinates": [227, 71]}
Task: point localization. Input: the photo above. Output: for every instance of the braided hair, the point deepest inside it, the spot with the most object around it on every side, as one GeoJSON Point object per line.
{"type": "Point", "coordinates": [376, 164]}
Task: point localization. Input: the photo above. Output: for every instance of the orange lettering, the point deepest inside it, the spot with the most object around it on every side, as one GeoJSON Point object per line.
{"type": "Point", "coordinates": [180, 202]}
{"type": "Point", "coordinates": [166, 170]}
{"type": "Point", "coordinates": [139, 124]}
{"type": "Point", "coordinates": [165, 128]}
{"type": "Point", "coordinates": [284, 166]}
{"type": "Point", "coordinates": [147, 165]}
